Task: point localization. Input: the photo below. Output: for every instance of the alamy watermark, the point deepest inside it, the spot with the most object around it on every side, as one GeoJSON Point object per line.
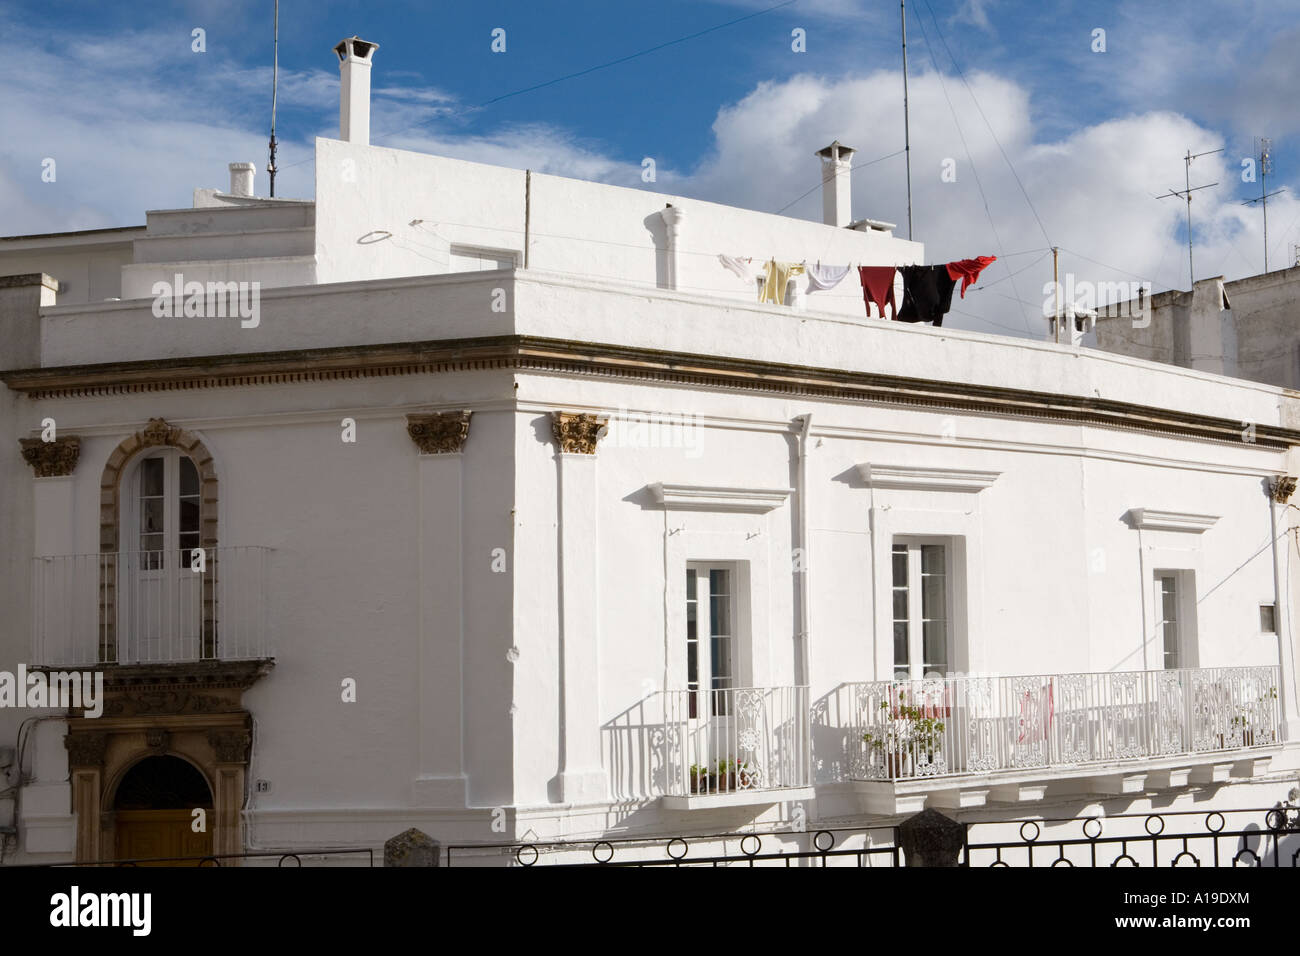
{"type": "Point", "coordinates": [65, 690]}
{"type": "Point", "coordinates": [630, 429]}
{"type": "Point", "coordinates": [1109, 299]}
{"type": "Point", "coordinates": [210, 300]}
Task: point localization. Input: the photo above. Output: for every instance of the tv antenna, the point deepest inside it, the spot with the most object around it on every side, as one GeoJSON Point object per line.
{"type": "Point", "coordinates": [275, 81]}
{"type": "Point", "coordinates": [907, 125]}
{"type": "Point", "coordinates": [1265, 153]}
{"type": "Point", "coordinates": [1186, 193]}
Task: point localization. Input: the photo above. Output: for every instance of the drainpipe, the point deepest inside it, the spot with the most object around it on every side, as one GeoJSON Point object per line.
{"type": "Point", "coordinates": [804, 567]}
{"type": "Point", "coordinates": [1287, 703]}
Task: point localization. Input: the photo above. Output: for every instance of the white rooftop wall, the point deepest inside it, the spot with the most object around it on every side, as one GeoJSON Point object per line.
{"type": "Point", "coordinates": [365, 193]}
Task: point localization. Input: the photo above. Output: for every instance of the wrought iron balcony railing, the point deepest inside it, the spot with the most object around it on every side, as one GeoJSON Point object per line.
{"type": "Point", "coordinates": [972, 725]}
{"type": "Point", "coordinates": [146, 607]}
{"type": "Point", "coordinates": [735, 740]}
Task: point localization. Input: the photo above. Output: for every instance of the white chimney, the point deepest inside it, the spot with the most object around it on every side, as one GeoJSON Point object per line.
{"type": "Point", "coordinates": [241, 179]}
{"type": "Point", "coordinates": [837, 195]}
{"type": "Point", "coordinates": [354, 89]}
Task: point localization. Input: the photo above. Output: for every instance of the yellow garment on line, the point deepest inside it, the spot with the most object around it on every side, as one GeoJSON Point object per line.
{"type": "Point", "coordinates": [775, 276]}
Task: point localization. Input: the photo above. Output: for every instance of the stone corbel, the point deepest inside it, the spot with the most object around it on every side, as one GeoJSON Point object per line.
{"type": "Point", "coordinates": [439, 433]}
{"type": "Point", "coordinates": [577, 432]}
{"type": "Point", "coordinates": [229, 746]}
{"type": "Point", "coordinates": [52, 459]}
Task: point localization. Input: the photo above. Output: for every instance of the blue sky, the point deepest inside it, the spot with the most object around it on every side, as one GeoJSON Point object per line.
{"type": "Point", "coordinates": [1052, 142]}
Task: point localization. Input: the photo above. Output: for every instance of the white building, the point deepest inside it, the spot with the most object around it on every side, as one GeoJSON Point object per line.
{"type": "Point", "coordinates": [1244, 328]}
{"type": "Point", "coordinates": [512, 506]}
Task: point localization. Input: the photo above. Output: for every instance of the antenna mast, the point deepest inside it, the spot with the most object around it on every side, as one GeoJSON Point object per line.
{"type": "Point", "coordinates": [275, 82]}
{"type": "Point", "coordinates": [907, 134]}
{"type": "Point", "coordinates": [1186, 193]}
{"type": "Point", "coordinates": [1265, 167]}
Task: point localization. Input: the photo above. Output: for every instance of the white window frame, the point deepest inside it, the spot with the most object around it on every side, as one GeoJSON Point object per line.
{"type": "Point", "coordinates": [1185, 645]}
{"type": "Point", "coordinates": [738, 639]}
{"type": "Point", "coordinates": [916, 631]}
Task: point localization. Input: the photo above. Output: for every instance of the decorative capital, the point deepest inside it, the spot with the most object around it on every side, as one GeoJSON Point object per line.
{"type": "Point", "coordinates": [439, 433]}
{"type": "Point", "coordinates": [159, 432]}
{"type": "Point", "coordinates": [86, 750]}
{"type": "Point", "coordinates": [578, 433]}
{"type": "Point", "coordinates": [1283, 489]}
{"type": "Point", "coordinates": [230, 746]}
{"type": "Point", "coordinates": [52, 459]}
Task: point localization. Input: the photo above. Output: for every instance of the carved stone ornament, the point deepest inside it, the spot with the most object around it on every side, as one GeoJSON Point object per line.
{"type": "Point", "coordinates": [86, 750]}
{"type": "Point", "coordinates": [440, 432]}
{"type": "Point", "coordinates": [230, 746]}
{"type": "Point", "coordinates": [1283, 489]}
{"type": "Point", "coordinates": [52, 459]}
{"type": "Point", "coordinates": [577, 433]}
{"type": "Point", "coordinates": [135, 702]}
{"type": "Point", "coordinates": [157, 738]}
{"type": "Point", "coordinates": [158, 432]}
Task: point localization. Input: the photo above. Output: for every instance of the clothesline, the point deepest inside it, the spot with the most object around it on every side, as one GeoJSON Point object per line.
{"type": "Point", "coordinates": [927, 290]}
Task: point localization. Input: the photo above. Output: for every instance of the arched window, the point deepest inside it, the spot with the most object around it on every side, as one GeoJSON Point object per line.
{"type": "Point", "coordinates": [165, 600]}
{"type": "Point", "coordinates": [166, 506]}
{"type": "Point", "coordinates": [158, 558]}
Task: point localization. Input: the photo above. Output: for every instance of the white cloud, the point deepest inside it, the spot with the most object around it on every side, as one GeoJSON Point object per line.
{"type": "Point", "coordinates": [136, 138]}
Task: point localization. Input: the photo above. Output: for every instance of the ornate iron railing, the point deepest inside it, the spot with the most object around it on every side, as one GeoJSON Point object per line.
{"type": "Point", "coordinates": [970, 725]}
{"type": "Point", "coordinates": [735, 739]}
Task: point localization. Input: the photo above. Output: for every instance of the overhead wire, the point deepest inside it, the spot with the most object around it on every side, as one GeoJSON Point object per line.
{"type": "Point", "coordinates": [577, 73]}
{"type": "Point", "coordinates": [969, 158]}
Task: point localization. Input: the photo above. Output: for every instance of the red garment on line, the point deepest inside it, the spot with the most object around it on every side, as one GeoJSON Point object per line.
{"type": "Point", "coordinates": [878, 287]}
{"type": "Point", "coordinates": [968, 270]}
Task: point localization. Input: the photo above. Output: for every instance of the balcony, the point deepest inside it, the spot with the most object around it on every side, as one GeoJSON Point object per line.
{"type": "Point", "coordinates": [735, 746]}
{"type": "Point", "coordinates": [692, 749]}
{"type": "Point", "coordinates": [1124, 732]}
{"type": "Point", "coordinates": [149, 608]}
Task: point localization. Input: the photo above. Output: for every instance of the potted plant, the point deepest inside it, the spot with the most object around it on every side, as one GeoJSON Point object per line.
{"type": "Point", "coordinates": [910, 730]}
{"type": "Point", "coordinates": [702, 780]}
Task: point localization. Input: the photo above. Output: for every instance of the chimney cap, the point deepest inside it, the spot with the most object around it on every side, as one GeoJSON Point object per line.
{"type": "Point", "coordinates": [836, 151]}
{"type": "Point", "coordinates": [354, 46]}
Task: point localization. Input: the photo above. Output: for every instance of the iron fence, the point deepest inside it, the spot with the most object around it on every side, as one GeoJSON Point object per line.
{"type": "Point", "coordinates": [1261, 838]}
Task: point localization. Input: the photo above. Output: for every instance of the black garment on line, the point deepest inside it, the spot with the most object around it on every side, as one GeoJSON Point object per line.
{"type": "Point", "coordinates": [927, 294]}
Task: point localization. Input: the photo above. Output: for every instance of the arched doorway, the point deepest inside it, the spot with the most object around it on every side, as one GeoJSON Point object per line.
{"type": "Point", "coordinates": [154, 811]}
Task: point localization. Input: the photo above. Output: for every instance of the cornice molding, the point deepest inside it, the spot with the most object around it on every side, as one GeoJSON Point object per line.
{"type": "Point", "coordinates": [587, 359]}
{"type": "Point", "coordinates": [1150, 519]}
{"type": "Point", "coordinates": [926, 479]}
{"type": "Point", "coordinates": [709, 498]}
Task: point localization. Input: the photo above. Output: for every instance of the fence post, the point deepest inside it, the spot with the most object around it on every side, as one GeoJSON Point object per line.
{"type": "Point", "coordinates": [412, 848]}
{"type": "Point", "coordinates": [931, 839]}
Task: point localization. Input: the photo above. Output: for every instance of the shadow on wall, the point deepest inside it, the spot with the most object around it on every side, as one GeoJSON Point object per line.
{"type": "Point", "coordinates": [634, 751]}
{"type": "Point", "coordinates": [658, 230]}
{"type": "Point", "coordinates": [837, 728]}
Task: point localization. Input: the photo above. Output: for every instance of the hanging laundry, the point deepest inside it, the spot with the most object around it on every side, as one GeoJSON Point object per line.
{"type": "Point", "coordinates": [742, 268]}
{"type": "Point", "coordinates": [878, 288]}
{"type": "Point", "coordinates": [821, 278]}
{"type": "Point", "coordinates": [776, 275]}
{"type": "Point", "coordinates": [927, 294]}
{"type": "Point", "coordinates": [968, 270]}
